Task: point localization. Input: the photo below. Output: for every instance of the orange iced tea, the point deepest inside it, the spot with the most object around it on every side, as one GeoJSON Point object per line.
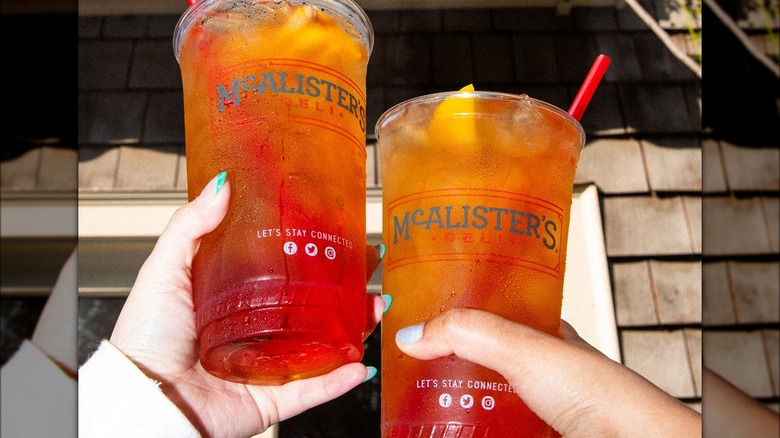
{"type": "Point", "coordinates": [477, 189]}
{"type": "Point", "coordinates": [274, 94]}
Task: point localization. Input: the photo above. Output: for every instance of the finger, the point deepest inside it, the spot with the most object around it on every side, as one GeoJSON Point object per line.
{"type": "Point", "coordinates": [374, 256]}
{"type": "Point", "coordinates": [300, 395]}
{"type": "Point", "coordinates": [466, 333]}
{"type": "Point", "coordinates": [179, 241]}
{"type": "Point", "coordinates": [376, 306]}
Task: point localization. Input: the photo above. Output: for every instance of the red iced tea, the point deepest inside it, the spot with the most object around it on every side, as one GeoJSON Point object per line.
{"type": "Point", "coordinates": [477, 189]}
{"type": "Point", "coordinates": [274, 94]}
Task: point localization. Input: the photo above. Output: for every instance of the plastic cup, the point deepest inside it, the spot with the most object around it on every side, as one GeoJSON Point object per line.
{"type": "Point", "coordinates": [477, 190]}
{"type": "Point", "coordinates": [274, 94]}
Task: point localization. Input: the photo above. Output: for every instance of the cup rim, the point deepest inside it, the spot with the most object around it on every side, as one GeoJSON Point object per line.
{"type": "Point", "coordinates": [348, 10]}
{"type": "Point", "coordinates": [393, 111]}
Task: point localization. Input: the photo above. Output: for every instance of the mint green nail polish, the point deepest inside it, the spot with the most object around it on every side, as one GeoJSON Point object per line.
{"type": "Point", "coordinates": [220, 181]}
{"type": "Point", "coordinates": [388, 299]}
{"type": "Point", "coordinates": [409, 335]}
{"type": "Point", "coordinates": [370, 375]}
{"type": "Point", "coordinates": [382, 249]}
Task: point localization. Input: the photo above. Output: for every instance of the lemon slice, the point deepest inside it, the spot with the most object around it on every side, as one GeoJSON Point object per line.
{"type": "Point", "coordinates": [453, 123]}
{"type": "Point", "coordinates": [456, 104]}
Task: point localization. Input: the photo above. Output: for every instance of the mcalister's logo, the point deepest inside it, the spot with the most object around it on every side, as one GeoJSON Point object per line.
{"type": "Point", "coordinates": [315, 93]}
{"type": "Point", "coordinates": [478, 218]}
{"type": "Point", "coordinates": [475, 225]}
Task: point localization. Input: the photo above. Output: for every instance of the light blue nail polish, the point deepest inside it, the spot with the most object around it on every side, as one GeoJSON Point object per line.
{"type": "Point", "coordinates": [370, 375]}
{"type": "Point", "coordinates": [388, 299]}
{"type": "Point", "coordinates": [409, 335]}
{"type": "Point", "coordinates": [220, 181]}
{"type": "Point", "coordinates": [382, 249]}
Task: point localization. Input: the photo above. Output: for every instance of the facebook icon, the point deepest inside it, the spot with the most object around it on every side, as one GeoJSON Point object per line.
{"type": "Point", "coordinates": [290, 248]}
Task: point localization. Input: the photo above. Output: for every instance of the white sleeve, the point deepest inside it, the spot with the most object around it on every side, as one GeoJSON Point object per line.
{"type": "Point", "coordinates": [56, 332]}
{"type": "Point", "coordinates": [38, 398]}
{"type": "Point", "coordinates": [117, 399]}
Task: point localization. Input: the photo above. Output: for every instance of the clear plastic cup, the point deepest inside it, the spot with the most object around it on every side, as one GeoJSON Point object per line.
{"type": "Point", "coordinates": [274, 94]}
{"type": "Point", "coordinates": [477, 190]}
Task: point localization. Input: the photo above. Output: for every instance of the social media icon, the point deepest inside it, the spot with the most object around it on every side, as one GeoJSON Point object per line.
{"type": "Point", "coordinates": [445, 400]}
{"type": "Point", "coordinates": [290, 248]}
{"type": "Point", "coordinates": [311, 249]}
{"type": "Point", "coordinates": [466, 401]}
{"type": "Point", "coordinates": [488, 403]}
{"type": "Point", "coordinates": [330, 253]}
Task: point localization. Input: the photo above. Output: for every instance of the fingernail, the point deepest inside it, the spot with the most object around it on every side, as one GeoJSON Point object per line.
{"type": "Point", "coordinates": [220, 181]}
{"type": "Point", "coordinates": [382, 248]}
{"type": "Point", "coordinates": [370, 375]}
{"type": "Point", "coordinates": [409, 335]}
{"type": "Point", "coordinates": [388, 299]}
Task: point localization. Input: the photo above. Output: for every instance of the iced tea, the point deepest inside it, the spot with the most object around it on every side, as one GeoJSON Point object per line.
{"type": "Point", "coordinates": [274, 94]}
{"type": "Point", "coordinates": [477, 189]}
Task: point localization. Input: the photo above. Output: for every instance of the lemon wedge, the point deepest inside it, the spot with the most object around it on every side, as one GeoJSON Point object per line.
{"type": "Point", "coordinates": [453, 123]}
{"type": "Point", "coordinates": [456, 105]}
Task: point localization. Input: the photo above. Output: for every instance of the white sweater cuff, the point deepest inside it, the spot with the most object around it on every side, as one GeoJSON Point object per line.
{"type": "Point", "coordinates": [117, 399]}
{"type": "Point", "coordinates": [38, 399]}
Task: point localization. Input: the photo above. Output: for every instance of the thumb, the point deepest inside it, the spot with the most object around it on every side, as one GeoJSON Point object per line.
{"type": "Point", "coordinates": [179, 242]}
{"type": "Point", "coordinates": [473, 335]}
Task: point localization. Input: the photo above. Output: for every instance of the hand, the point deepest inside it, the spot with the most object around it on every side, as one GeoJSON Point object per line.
{"type": "Point", "coordinates": [156, 330]}
{"type": "Point", "coordinates": [567, 382]}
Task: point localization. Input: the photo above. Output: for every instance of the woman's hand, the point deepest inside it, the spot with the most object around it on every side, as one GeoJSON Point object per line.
{"type": "Point", "coordinates": [156, 330]}
{"type": "Point", "coordinates": [568, 383]}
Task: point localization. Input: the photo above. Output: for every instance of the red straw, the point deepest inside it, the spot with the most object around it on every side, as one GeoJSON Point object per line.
{"type": "Point", "coordinates": [588, 87]}
{"type": "Point", "coordinates": [190, 2]}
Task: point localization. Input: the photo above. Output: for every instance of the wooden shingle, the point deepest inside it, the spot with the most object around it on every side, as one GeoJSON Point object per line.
{"type": "Point", "coordinates": [740, 358]}
{"type": "Point", "coordinates": [751, 169]}
{"type": "Point", "coordinates": [646, 226]}
{"type": "Point", "coordinates": [693, 344]}
{"type": "Point", "coordinates": [713, 177]}
{"type": "Point", "coordinates": [735, 227]}
{"type": "Point", "coordinates": [615, 165]}
{"type": "Point", "coordinates": [678, 289]}
{"type": "Point", "coordinates": [717, 296]}
{"type": "Point", "coordinates": [757, 291]}
{"type": "Point", "coordinates": [164, 121]}
{"type": "Point", "coordinates": [634, 300]}
{"type": "Point", "coordinates": [662, 358]}
{"type": "Point", "coordinates": [772, 345]}
{"type": "Point", "coordinates": [673, 163]}
{"type": "Point", "coordinates": [58, 170]}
